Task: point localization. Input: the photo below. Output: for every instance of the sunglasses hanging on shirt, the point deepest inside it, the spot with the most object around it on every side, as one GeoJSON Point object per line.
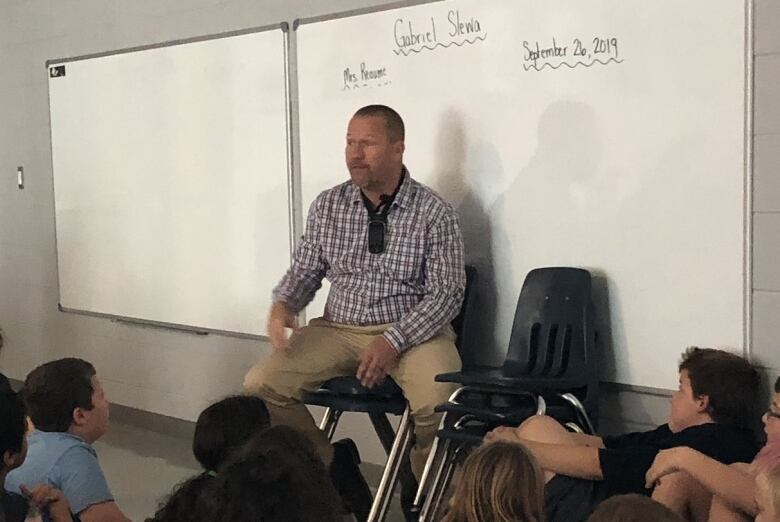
{"type": "Point", "coordinates": [377, 218]}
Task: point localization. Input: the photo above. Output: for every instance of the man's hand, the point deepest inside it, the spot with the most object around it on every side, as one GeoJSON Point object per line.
{"type": "Point", "coordinates": [378, 358]}
{"type": "Point", "coordinates": [666, 462]}
{"type": "Point", "coordinates": [279, 319]}
{"type": "Point", "coordinates": [502, 434]}
{"type": "Point", "coordinates": [49, 500]}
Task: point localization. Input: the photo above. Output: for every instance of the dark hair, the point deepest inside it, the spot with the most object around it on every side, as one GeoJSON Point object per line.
{"type": "Point", "coordinates": [276, 477]}
{"type": "Point", "coordinates": [729, 381]}
{"type": "Point", "coordinates": [225, 426]}
{"type": "Point", "coordinates": [633, 508]}
{"type": "Point", "coordinates": [53, 390]}
{"type": "Point", "coordinates": [5, 384]}
{"type": "Point", "coordinates": [13, 423]}
{"type": "Point", "coordinates": [777, 385]}
{"type": "Point", "coordinates": [182, 503]}
{"type": "Point", "coordinates": [393, 121]}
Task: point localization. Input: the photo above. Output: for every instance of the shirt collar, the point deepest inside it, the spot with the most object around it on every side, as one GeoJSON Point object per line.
{"type": "Point", "coordinates": [401, 199]}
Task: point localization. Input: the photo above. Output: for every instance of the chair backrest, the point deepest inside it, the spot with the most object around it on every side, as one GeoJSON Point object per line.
{"type": "Point", "coordinates": [552, 333]}
{"type": "Point", "coordinates": [460, 323]}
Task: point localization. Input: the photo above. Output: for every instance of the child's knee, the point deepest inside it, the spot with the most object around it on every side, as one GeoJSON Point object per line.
{"type": "Point", "coordinates": [540, 428]}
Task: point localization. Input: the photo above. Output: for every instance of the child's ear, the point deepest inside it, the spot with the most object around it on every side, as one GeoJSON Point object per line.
{"type": "Point", "coordinates": [9, 459]}
{"type": "Point", "coordinates": [703, 402]}
{"type": "Point", "coordinates": [78, 416]}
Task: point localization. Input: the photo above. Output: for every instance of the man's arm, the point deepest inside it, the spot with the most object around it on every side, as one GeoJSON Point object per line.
{"type": "Point", "coordinates": [304, 278]}
{"type": "Point", "coordinates": [445, 284]}
{"type": "Point", "coordinates": [728, 482]}
{"type": "Point", "coordinates": [103, 512]}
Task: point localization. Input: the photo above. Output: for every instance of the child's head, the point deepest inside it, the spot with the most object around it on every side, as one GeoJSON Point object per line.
{"type": "Point", "coordinates": [276, 477]}
{"type": "Point", "coordinates": [715, 386]}
{"type": "Point", "coordinates": [65, 395]}
{"type": "Point", "coordinates": [225, 426]}
{"type": "Point", "coordinates": [768, 496]}
{"type": "Point", "coordinates": [222, 429]}
{"type": "Point", "coordinates": [772, 416]}
{"type": "Point", "coordinates": [501, 482]}
{"type": "Point", "coordinates": [632, 508]}
{"type": "Point", "coordinates": [13, 429]}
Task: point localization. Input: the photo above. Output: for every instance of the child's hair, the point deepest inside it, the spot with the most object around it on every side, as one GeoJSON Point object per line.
{"type": "Point", "coordinates": [225, 426]}
{"type": "Point", "coordinates": [276, 477]}
{"type": "Point", "coordinates": [730, 382]}
{"type": "Point", "coordinates": [768, 485]}
{"type": "Point", "coordinates": [501, 482]}
{"type": "Point", "coordinates": [221, 430]}
{"type": "Point", "coordinates": [632, 508]}
{"type": "Point", "coordinates": [13, 424]}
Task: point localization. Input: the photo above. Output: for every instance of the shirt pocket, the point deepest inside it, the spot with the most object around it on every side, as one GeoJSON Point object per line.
{"type": "Point", "coordinates": [405, 251]}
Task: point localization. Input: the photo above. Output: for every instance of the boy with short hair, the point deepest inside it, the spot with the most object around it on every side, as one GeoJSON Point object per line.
{"type": "Point", "coordinates": [70, 412]}
{"type": "Point", "coordinates": [712, 412]}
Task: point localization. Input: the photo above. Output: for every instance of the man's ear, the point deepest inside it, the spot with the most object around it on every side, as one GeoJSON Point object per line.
{"type": "Point", "coordinates": [399, 147]}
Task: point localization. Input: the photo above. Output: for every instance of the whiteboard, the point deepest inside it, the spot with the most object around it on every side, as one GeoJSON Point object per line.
{"type": "Point", "coordinates": [171, 181]}
{"type": "Point", "coordinates": [604, 134]}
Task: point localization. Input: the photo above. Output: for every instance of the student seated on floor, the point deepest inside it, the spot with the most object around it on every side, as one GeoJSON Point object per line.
{"type": "Point", "coordinates": [633, 508]}
{"type": "Point", "coordinates": [221, 430]}
{"type": "Point", "coordinates": [276, 477]}
{"type": "Point", "coordinates": [70, 412]}
{"type": "Point", "coordinates": [13, 447]}
{"type": "Point", "coordinates": [501, 482]}
{"type": "Point", "coordinates": [768, 495]}
{"type": "Point", "coordinates": [704, 488]}
{"type": "Point", "coordinates": [712, 412]}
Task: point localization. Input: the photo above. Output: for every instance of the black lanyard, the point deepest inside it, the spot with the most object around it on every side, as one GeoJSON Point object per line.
{"type": "Point", "coordinates": [377, 218]}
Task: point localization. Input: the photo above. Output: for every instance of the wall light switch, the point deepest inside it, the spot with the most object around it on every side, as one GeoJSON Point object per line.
{"type": "Point", "coordinates": [20, 177]}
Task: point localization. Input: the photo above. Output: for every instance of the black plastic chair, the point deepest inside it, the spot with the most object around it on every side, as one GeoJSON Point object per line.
{"type": "Point", "coordinates": [347, 394]}
{"type": "Point", "coordinates": [551, 368]}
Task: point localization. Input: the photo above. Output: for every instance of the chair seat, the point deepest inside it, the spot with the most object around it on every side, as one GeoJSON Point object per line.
{"type": "Point", "coordinates": [349, 385]}
{"type": "Point", "coordinates": [501, 378]}
{"type": "Point", "coordinates": [347, 394]}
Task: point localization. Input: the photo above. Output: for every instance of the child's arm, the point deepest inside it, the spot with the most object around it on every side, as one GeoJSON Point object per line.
{"type": "Point", "coordinates": [731, 484]}
{"type": "Point", "coordinates": [573, 461]}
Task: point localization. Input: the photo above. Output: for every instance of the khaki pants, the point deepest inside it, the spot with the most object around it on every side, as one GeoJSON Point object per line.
{"type": "Point", "coordinates": [324, 350]}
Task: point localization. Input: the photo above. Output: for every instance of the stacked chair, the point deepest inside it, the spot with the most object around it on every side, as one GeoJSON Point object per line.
{"type": "Point", "coordinates": [347, 394]}
{"type": "Point", "coordinates": [550, 368]}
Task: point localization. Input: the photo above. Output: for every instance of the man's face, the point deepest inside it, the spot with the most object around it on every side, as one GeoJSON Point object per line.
{"type": "Point", "coordinates": [772, 419]}
{"type": "Point", "coordinates": [372, 157]}
{"type": "Point", "coordinates": [95, 421]}
{"type": "Point", "coordinates": [685, 408]}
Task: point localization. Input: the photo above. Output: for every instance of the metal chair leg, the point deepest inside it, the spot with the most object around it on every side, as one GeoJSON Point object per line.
{"type": "Point", "coordinates": [329, 422]}
{"type": "Point", "coordinates": [435, 485]}
{"type": "Point", "coordinates": [580, 409]}
{"type": "Point", "coordinates": [449, 471]}
{"type": "Point", "coordinates": [398, 452]}
{"type": "Point", "coordinates": [429, 464]}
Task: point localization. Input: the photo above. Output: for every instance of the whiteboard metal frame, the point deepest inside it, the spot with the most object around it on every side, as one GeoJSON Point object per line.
{"type": "Point", "coordinates": [282, 26]}
{"type": "Point", "coordinates": [747, 321]}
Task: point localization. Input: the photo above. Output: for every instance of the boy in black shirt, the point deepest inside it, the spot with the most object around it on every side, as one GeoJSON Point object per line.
{"type": "Point", "coordinates": [712, 412]}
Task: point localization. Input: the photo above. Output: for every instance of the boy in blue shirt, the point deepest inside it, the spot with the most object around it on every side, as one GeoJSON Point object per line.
{"type": "Point", "coordinates": [70, 412]}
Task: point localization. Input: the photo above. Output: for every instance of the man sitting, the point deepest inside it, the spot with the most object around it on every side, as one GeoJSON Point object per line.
{"type": "Point", "coordinates": [711, 412]}
{"type": "Point", "coordinates": [70, 412]}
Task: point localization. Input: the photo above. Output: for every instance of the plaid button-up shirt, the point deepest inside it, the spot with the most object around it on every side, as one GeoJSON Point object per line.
{"type": "Point", "coordinates": [417, 283]}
